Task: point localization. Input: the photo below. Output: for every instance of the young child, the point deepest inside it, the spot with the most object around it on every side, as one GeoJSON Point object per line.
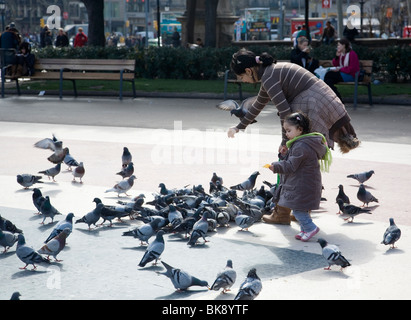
{"type": "Point", "coordinates": [300, 171]}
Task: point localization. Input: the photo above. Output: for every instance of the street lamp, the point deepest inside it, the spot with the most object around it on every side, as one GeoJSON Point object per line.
{"type": "Point", "coordinates": [2, 10]}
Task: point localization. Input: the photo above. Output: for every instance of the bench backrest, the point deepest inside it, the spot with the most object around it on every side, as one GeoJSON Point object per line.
{"type": "Point", "coordinates": [85, 64]}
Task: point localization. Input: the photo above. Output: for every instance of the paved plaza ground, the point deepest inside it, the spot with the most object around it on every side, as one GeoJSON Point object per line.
{"type": "Point", "coordinates": [182, 142]}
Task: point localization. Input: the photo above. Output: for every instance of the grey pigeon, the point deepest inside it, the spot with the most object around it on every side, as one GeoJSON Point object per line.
{"type": "Point", "coordinates": [79, 172]}
{"type": "Point", "coordinates": [392, 234]}
{"type": "Point", "coordinates": [181, 279]}
{"type": "Point", "coordinates": [200, 229]}
{"type": "Point", "coordinates": [223, 218]}
{"type": "Point", "coordinates": [349, 211]}
{"type": "Point", "coordinates": [341, 195]}
{"type": "Point", "coordinates": [127, 171]}
{"type": "Point", "coordinates": [332, 254]}
{"type": "Point", "coordinates": [15, 296]}
{"type": "Point", "coordinates": [247, 184]}
{"type": "Point", "coordinates": [174, 216]}
{"type": "Point", "coordinates": [123, 186]}
{"type": "Point", "coordinates": [52, 172]}
{"type": "Point", "coordinates": [69, 160]}
{"type": "Point", "coordinates": [225, 279]}
{"type": "Point", "coordinates": [251, 287]}
{"type": "Point", "coordinates": [365, 196]}
{"type": "Point", "coordinates": [235, 109]}
{"type": "Point", "coordinates": [362, 177]}
{"type": "Point", "coordinates": [58, 156]}
{"type": "Point", "coordinates": [50, 144]}
{"type": "Point", "coordinates": [154, 250]}
{"type": "Point", "coordinates": [27, 254]}
{"type": "Point", "coordinates": [48, 210]}
{"type": "Point", "coordinates": [244, 221]}
{"type": "Point", "coordinates": [143, 232]}
{"type": "Point", "coordinates": [27, 180]}
{"type": "Point", "coordinates": [38, 199]}
{"type": "Point", "coordinates": [55, 245]}
{"type": "Point", "coordinates": [126, 157]}
{"type": "Point", "coordinates": [164, 191]}
{"type": "Point", "coordinates": [92, 217]}
{"type": "Point", "coordinates": [67, 223]}
{"type": "Point", "coordinates": [7, 240]}
{"type": "Point", "coordinates": [7, 225]}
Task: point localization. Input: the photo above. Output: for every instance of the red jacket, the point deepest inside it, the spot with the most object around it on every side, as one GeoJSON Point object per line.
{"type": "Point", "coordinates": [353, 64]}
{"type": "Point", "coordinates": [80, 40]}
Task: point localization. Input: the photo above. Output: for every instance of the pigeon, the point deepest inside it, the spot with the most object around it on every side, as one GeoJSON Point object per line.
{"type": "Point", "coordinates": [247, 184]}
{"type": "Point", "coordinates": [200, 229]}
{"type": "Point", "coordinates": [332, 254]}
{"type": "Point", "coordinates": [15, 296]}
{"type": "Point", "coordinates": [365, 196]}
{"type": "Point", "coordinates": [392, 234]}
{"type": "Point", "coordinates": [92, 217]}
{"type": "Point", "coordinates": [154, 250]}
{"type": "Point", "coordinates": [70, 161]}
{"type": "Point", "coordinates": [55, 245]}
{"type": "Point", "coordinates": [187, 223]}
{"type": "Point", "coordinates": [123, 186]}
{"type": "Point", "coordinates": [126, 157]}
{"type": "Point", "coordinates": [223, 218]}
{"type": "Point", "coordinates": [7, 225]}
{"type": "Point", "coordinates": [235, 109]}
{"type": "Point", "coordinates": [143, 232]}
{"type": "Point", "coordinates": [27, 180]}
{"type": "Point", "coordinates": [27, 254]}
{"type": "Point", "coordinates": [361, 177]}
{"type": "Point", "coordinates": [341, 195]}
{"type": "Point", "coordinates": [216, 183]}
{"type": "Point", "coordinates": [127, 171]}
{"type": "Point", "coordinates": [52, 172]}
{"type": "Point", "coordinates": [7, 240]}
{"type": "Point", "coordinates": [107, 212]}
{"type": "Point", "coordinates": [48, 210]}
{"type": "Point", "coordinates": [164, 191]}
{"type": "Point", "coordinates": [38, 199]}
{"type": "Point", "coordinates": [244, 221]}
{"type": "Point", "coordinates": [58, 156]}
{"type": "Point", "coordinates": [174, 216]}
{"type": "Point", "coordinates": [350, 210]}
{"type": "Point", "coordinates": [181, 279]}
{"type": "Point", "coordinates": [50, 144]}
{"type": "Point", "coordinates": [225, 279]}
{"type": "Point", "coordinates": [60, 226]}
{"type": "Point", "coordinates": [251, 287]}
{"type": "Point", "coordinates": [78, 172]}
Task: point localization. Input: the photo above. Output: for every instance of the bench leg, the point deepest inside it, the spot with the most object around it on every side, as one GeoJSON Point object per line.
{"type": "Point", "coordinates": [121, 84]}
{"type": "Point", "coordinates": [3, 80]}
{"type": "Point", "coordinates": [61, 84]}
{"type": "Point", "coordinates": [18, 87]}
{"type": "Point", "coordinates": [75, 88]}
{"type": "Point", "coordinates": [369, 94]}
{"type": "Point", "coordinates": [225, 84]}
{"type": "Point", "coordinates": [134, 88]}
{"type": "Point", "coordinates": [240, 91]}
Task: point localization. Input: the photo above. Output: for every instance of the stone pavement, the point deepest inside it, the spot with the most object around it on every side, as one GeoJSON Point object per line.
{"type": "Point", "coordinates": [181, 142]}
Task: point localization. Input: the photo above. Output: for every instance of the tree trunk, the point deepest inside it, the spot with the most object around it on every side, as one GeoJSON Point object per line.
{"type": "Point", "coordinates": [211, 23]}
{"type": "Point", "coordinates": [191, 14]}
{"type": "Point", "coordinates": [95, 11]}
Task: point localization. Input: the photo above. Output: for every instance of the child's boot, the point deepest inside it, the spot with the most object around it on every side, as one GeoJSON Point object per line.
{"type": "Point", "coordinates": [279, 215]}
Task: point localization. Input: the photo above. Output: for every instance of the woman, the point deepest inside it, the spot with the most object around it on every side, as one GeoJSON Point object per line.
{"type": "Point", "coordinates": [292, 88]}
{"type": "Point", "coordinates": [300, 55]}
{"type": "Point", "coordinates": [346, 65]}
{"type": "Point", "coordinates": [62, 39]}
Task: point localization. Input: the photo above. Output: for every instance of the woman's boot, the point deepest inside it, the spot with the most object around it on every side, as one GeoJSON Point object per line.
{"type": "Point", "coordinates": [279, 215]}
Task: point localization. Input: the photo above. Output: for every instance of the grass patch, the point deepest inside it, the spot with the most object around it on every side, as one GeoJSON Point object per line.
{"type": "Point", "coordinates": [203, 86]}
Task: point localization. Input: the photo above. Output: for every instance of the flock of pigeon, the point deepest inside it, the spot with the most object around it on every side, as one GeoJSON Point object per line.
{"type": "Point", "coordinates": [190, 211]}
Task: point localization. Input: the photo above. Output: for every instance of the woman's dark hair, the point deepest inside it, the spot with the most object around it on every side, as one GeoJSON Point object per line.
{"type": "Point", "coordinates": [346, 43]}
{"type": "Point", "coordinates": [300, 120]}
{"type": "Point", "coordinates": [25, 45]}
{"type": "Point", "coordinates": [244, 59]}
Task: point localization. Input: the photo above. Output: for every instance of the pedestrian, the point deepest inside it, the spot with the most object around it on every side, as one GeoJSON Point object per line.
{"type": "Point", "coordinates": [300, 171]}
{"type": "Point", "coordinates": [350, 32]}
{"type": "Point", "coordinates": [43, 32]}
{"type": "Point", "coordinates": [25, 60]}
{"type": "Point", "coordinates": [176, 38]}
{"type": "Point", "coordinates": [48, 39]}
{"type": "Point", "coordinates": [62, 39]}
{"type": "Point", "coordinates": [346, 65]}
{"type": "Point", "coordinates": [328, 35]}
{"type": "Point", "coordinates": [9, 40]}
{"type": "Point", "coordinates": [80, 40]}
{"type": "Point", "coordinates": [294, 36]}
{"type": "Point", "coordinates": [300, 55]}
{"type": "Point", "coordinates": [291, 88]}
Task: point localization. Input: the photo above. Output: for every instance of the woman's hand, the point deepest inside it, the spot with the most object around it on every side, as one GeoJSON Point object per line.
{"type": "Point", "coordinates": [232, 131]}
{"type": "Point", "coordinates": [283, 150]}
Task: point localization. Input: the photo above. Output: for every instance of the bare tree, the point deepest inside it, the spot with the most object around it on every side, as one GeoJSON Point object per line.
{"type": "Point", "coordinates": [210, 39]}
{"type": "Point", "coordinates": [95, 11]}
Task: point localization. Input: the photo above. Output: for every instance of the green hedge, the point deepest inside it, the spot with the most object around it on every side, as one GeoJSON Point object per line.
{"type": "Point", "coordinates": [390, 64]}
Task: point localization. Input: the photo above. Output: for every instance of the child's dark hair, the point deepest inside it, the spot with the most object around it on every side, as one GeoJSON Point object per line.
{"type": "Point", "coordinates": [243, 59]}
{"type": "Point", "coordinates": [300, 120]}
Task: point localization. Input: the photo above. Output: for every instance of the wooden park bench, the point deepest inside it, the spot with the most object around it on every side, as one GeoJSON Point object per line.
{"type": "Point", "coordinates": [365, 68]}
{"type": "Point", "coordinates": [79, 69]}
